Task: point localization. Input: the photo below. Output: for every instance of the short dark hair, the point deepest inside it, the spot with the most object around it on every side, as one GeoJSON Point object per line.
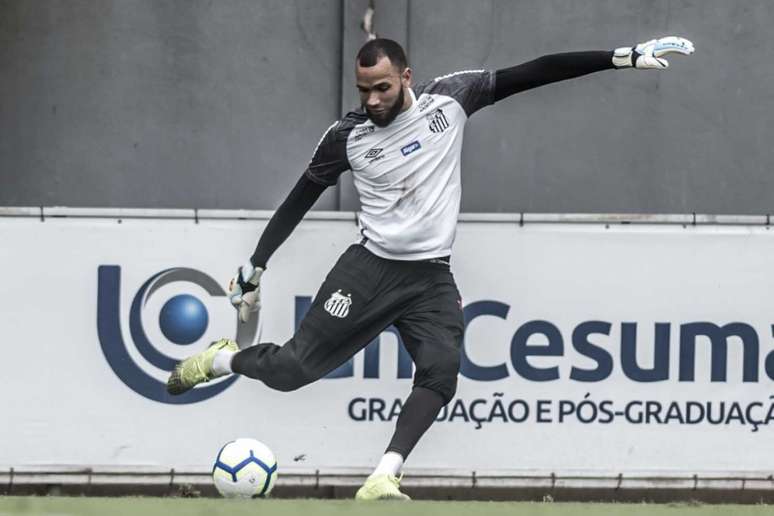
{"type": "Point", "coordinates": [370, 53]}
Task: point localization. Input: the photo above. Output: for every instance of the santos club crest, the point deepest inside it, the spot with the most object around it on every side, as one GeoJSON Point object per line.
{"type": "Point", "coordinates": [338, 304]}
{"type": "Point", "coordinates": [437, 121]}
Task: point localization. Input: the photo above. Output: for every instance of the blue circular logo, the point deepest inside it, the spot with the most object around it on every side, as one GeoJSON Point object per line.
{"type": "Point", "coordinates": [183, 319]}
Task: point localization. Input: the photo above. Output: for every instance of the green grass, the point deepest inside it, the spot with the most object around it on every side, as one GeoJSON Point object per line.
{"type": "Point", "coordinates": [29, 505]}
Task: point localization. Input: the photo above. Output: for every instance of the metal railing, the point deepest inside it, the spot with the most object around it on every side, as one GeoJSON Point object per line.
{"type": "Point", "coordinates": [138, 478]}
{"type": "Point", "coordinates": [196, 215]}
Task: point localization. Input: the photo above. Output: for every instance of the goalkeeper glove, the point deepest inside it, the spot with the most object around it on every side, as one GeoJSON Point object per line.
{"type": "Point", "coordinates": [244, 290]}
{"type": "Point", "coordinates": [649, 55]}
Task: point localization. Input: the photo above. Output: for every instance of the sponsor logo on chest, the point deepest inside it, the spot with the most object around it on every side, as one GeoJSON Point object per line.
{"type": "Point", "coordinates": [411, 147]}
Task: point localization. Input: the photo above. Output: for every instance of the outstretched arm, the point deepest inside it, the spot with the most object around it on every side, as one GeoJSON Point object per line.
{"type": "Point", "coordinates": [560, 67]}
{"type": "Point", "coordinates": [548, 69]}
{"type": "Point", "coordinates": [300, 200]}
{"type": "Point", "coordinates": [327, 164]}
{"type": "Point", "coordinates": [245, 287]}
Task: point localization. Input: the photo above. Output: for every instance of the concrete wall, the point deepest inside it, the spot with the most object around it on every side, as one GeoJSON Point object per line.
{"type": "Point", "coordinates": [181, 103]}
{"type": "Point", "coordinates": [163, 103]}
{"type": "Point", "coordinates": [694, 139]}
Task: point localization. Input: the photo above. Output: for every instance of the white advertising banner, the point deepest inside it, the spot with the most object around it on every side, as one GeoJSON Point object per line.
{"type": "Point", "coordinates": [589, 349]}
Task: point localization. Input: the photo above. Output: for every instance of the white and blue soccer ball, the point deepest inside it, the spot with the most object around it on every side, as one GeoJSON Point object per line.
{"type": "Point", "coordinates": [245, 468]}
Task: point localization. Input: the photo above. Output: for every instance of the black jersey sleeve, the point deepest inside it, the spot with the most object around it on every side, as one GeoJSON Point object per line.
{"type": "Point", "coordinates": [472, 89]}
{"type": "Point", "coordinates": [330, 157]}
{"type": "Point", "coordinates": [301, 198]}
{"type": "Point", "coordinates": [548, 69]}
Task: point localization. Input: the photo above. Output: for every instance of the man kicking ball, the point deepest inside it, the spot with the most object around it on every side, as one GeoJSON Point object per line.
{"type": "Point", "coordinates": [403, 148]}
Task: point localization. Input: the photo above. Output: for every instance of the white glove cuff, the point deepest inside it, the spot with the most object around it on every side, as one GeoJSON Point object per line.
{"type": "Point", "coordinates": [250, 273]}
{"type": "Point", "coordinates": [622, 57]}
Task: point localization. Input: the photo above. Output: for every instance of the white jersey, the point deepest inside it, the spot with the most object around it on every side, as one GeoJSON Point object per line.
{"type": "Point", "coordinates": [408, 173]}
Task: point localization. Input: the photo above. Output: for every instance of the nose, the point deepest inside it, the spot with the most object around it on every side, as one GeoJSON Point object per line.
{"type": "Point", "coordinates": [373, 100]}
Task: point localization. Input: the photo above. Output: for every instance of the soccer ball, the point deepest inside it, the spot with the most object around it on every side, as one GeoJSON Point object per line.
{"type": "Point", "coordinates": [244, 468]}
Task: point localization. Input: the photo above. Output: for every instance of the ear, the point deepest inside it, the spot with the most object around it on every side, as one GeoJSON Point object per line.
{"type": "Point", "coordinates": [405, 78]}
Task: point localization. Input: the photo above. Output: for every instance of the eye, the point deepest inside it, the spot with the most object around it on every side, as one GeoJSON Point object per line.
{"type": "Point", "coordinates": [383, 87]}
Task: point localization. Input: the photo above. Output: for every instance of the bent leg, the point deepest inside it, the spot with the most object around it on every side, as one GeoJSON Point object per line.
{"type": "Point", "coordinates": [418, 413]}
{"type": "Point", "coordinates": [432, 332]}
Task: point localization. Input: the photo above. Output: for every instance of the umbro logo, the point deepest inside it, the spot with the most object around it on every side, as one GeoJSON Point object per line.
{"type": "Point", "coordinates": [437, 121]}
{"type": "Point", "coordinates": [372, 153]}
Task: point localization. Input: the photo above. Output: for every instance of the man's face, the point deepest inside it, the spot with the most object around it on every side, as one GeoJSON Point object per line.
{"type": "Point", "coordinates": [381, 90]}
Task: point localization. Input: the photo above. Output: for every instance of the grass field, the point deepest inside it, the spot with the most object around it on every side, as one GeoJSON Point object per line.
{"type": "Point", "coordinates": [60, 506]}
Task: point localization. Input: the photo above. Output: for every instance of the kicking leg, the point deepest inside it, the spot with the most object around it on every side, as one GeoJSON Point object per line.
{"type": "Point", "coordinates": [345, 315]}
{"type": "Point", "coordinates": [200, 367]}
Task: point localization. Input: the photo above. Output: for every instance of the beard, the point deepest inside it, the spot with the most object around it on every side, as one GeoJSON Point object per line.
{"type": "Point", "coordinates": [386, 118]}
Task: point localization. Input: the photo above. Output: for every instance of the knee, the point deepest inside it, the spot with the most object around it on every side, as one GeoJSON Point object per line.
{"type": "Point", "coordinates": [441, 376]}
{"type": "Point", "coordinates": [447, 367]}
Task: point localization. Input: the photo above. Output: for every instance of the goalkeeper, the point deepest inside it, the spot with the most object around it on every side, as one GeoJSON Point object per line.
{"type": "Point", "coordinates": [403, 147]}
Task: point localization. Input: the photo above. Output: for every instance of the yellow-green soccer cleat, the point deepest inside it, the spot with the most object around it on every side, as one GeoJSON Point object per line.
{"type": "Point", "coordinates": [381, 487]}
{"type": "Point", "coordinates": [198, 368]}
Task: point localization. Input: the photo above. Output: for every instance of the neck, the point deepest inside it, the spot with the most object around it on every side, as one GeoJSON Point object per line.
{"type": "Point", "coordinates": [407, 100]}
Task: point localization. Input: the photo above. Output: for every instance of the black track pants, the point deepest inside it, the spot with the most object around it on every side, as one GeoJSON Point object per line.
{"type": "Point", "coordinates": [362, 295]}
